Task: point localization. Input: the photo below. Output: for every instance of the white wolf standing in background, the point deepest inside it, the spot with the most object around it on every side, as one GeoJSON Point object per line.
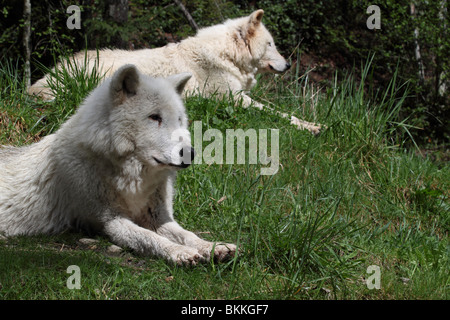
{"type": "Point", "coordinates": [221, 58]}
{"type": "Point", "coordinates": [111, 168]}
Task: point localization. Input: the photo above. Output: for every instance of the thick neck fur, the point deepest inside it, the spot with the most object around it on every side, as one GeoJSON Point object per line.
{"type": "Point", "coordinates": [239, 55]}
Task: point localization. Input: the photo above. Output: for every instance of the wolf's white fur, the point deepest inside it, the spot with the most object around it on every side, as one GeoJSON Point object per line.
{"type": "Point", "coordinates": [221, 58]}
{"type": "Point", "coordinates": [111, 168]}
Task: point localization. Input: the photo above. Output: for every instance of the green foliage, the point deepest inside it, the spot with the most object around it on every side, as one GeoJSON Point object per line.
{"type": "Point", "coordinates": [73, 80]}
{"type": "Point", "coordinates": [70, 84]}
{"type": "Point", "coordinates": [17, 113]}
{"type": "Point", "coordinates": [395, 46]}
{"type": "Point", "coordinates": [147, 25]}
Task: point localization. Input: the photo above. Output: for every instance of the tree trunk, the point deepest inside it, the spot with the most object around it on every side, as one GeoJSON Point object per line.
{"type": "Point", "coordinates": [442, 83]}
{"type": "Point", "coordinates": [26, 41]}
{"type": "Point", "coordinates": [417, 48]}
{"type": "Point", "coordinates": [118, 11]}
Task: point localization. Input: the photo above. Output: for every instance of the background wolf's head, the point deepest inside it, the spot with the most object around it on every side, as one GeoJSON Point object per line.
{"type": "Point", "coordinates": [260, 44]}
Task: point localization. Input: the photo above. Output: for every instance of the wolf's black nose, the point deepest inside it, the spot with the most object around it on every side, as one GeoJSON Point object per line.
{"type": "Point", "coordinates": [288, 65]}
{"type": "Point", "coordinates": [186, 159]}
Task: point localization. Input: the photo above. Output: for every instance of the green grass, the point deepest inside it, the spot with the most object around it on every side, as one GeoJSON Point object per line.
{"type": "Point", "coordinates": [350, 198]}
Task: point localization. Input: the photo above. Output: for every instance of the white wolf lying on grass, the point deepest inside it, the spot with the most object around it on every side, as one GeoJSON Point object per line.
{"type": "Point", "coordinates": [111, 168]}
{"type": "Point", "coordinates": [221, 58]}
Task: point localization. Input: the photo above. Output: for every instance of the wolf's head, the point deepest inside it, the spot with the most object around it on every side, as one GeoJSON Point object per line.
{"type": "Point", "coordinates": [261, 45]}
{"type": "Point", "coordinates": [148, 119]}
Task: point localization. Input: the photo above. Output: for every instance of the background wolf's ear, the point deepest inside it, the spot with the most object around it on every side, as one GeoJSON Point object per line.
{"type": "Point", "coordinates": [125, 82]}
{"type": "Point", "coordinates": [256, 17]}
{"type": "Point", "coordinates": [254, 21]}
{"type": "Point", "coordinates": [179, 81]}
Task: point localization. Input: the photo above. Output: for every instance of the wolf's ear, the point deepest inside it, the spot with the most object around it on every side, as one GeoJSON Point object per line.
{"type": "Point", "coordinates": [179, 81]}
{"type": "Point", "coordinates": [254, 21]}
{"type": "Point", "coordinates": [256, 17]}
{"type": "Point", "coordinates": [124, 83]}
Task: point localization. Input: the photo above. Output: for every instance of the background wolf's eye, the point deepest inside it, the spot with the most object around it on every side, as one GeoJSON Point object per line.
{"type": "Point", "coordinates": [269, 44]}
{"type": "Point", "coordinates": [156, 117]}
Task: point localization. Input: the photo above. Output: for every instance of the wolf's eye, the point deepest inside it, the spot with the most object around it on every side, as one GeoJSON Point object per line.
{"type": "Point", "coordinates": [269, 44]}
{"type": "Point", "coordinates": [156, 117]}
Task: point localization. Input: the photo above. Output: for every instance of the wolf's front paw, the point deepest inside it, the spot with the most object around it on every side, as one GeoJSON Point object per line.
{"type": "Point", "coordinates": [183, 255]}
{"type": "Point", "coordinates": [224, 251]}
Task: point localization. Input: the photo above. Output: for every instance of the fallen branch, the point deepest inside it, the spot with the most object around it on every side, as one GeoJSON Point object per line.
{"type": "Point", "coordinates": [187, 15]}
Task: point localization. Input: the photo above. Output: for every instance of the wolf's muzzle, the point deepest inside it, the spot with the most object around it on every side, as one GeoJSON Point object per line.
{"type": "Point", "coordinates": [187, 156]}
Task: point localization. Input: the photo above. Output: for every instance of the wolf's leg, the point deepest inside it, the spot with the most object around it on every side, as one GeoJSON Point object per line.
{"type": "Point", "coordinates": [173, 231]}
{"type": "Point", "coordinates": [160, 218]}
{"type": "Point", "coordinates": [300, 124]}
{"type": "Point", "coordinates": [128, 234]}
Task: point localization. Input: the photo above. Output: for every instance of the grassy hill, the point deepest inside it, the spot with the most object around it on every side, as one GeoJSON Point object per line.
{"type": "Point", "coordinates": [350, 198]}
